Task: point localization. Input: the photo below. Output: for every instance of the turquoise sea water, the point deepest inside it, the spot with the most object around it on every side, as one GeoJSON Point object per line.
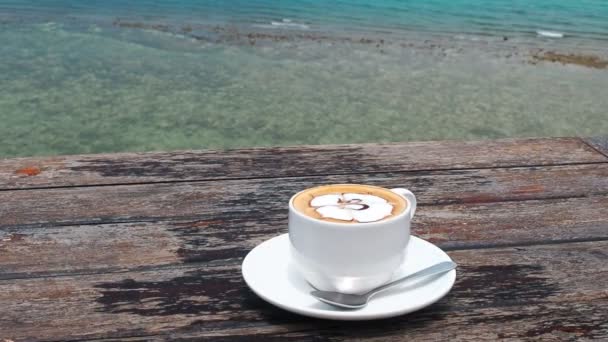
{"type": "Point", "coordinates": [579, 18]}
{"type": "Point", "coordinates": [88, 76]}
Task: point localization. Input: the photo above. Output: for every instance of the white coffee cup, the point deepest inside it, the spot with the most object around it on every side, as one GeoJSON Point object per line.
{"type": "Point", "coordinates": [346, 257]}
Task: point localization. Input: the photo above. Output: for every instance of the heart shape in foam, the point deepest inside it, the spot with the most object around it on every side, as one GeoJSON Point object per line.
{"type": "Point", "coordinates": [351, 206]}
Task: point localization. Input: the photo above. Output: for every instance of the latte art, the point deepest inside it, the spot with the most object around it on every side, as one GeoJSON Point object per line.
{"type": "Point", "coordinates": [351, 206]}
{"type": "Point", "coordinates": [349, 203]}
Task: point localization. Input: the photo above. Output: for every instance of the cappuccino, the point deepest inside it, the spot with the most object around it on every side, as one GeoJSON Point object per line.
{"type": "Point", "coordinates": [349, 203]}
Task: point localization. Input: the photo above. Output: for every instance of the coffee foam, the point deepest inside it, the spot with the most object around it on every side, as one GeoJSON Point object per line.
{"type": "Point", "coordinates": [349, 203]}
{"type": "Point", "coordinates": [352, 207]}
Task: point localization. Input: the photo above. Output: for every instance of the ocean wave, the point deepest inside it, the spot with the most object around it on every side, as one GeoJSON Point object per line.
{"type": "Point", "coordinates": [468, 37]}
{"type": "Point", "coordinates": [550, 34]}
{"type": "Point", "coordinates": [289, 24]}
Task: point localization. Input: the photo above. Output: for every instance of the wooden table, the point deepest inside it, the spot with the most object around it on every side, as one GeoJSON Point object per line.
{"type": "Point", "coordinates": [148, 246]}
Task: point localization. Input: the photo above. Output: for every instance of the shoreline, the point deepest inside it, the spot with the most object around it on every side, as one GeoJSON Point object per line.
{"type": "Point", "coordinates": [545, 50]}
{"type": "Point", "coordinates": [505, 44]}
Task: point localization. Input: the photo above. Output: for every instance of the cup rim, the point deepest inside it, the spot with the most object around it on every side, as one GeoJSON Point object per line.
{"type": "Point", "coordinates": [405, 213]}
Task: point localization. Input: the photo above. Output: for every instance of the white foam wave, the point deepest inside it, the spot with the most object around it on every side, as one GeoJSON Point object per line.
{"type": "Point", "coordinates": [467, 37]}
{"type": "Point", "coordinates": [550, 34]}
{"type": "Point", "coordinates": [288, 23]}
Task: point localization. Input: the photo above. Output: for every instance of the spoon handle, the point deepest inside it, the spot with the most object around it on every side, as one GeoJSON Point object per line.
{"type": "Point", "coordinates": [441, 267]}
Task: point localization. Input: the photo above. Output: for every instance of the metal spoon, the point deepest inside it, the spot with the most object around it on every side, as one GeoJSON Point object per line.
{"type": "Point", "coordinates": [353, 301]}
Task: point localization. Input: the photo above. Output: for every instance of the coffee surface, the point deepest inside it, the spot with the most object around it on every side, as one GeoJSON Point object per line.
{"type": "Point", "coordinates": [349, 203]}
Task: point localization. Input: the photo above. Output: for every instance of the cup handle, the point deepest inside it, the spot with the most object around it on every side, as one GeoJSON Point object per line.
{"type": "Point", "coordinates": [410, 198]}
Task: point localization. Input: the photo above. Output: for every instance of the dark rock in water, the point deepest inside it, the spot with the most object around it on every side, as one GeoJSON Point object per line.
{"type": "Point", "coordinates": [589, 61]}
{"type": "Point", "coordinates": [505, 38]}
{"type": "Point", "coordinates": [143, 26]}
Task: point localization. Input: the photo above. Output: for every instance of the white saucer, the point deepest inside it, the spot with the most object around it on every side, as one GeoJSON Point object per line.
{"type": "Point", "coordinates": [269, 273]}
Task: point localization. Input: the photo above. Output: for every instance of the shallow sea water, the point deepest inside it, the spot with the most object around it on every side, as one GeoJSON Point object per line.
{"type": "Point", "coordinates": [87, 85]}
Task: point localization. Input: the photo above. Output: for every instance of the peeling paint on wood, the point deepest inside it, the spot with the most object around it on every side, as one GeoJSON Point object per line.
{"type": "Point", "coordinates": [127, 168]}
{"type": "Point", "coordinates": [148, 246]}
{"type": "Point", "coordinates": [534, 292]}
{"type": "Point", "coordinates": [29, 171]}
{"type": "Point", "coordinates": [224, 237]}
{"type": "Point", "coordinates": [202, 200]}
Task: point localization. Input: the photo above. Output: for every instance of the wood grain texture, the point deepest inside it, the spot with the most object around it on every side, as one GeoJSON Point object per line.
{"type": "Point", "coordinates": [599, 143]}
{"type": "Point", "coordinates": [91, 248]}
{"type": "Point", "coordinates": [203, 200]}
{"type": "Point", "coordinates": [148, 246]}
{"type": "Point", "coordinates": [521, 292]}
{"type": "Point", "coordinates": [221, 238]}
{"type": "Point", "coordinates": [290, 161]}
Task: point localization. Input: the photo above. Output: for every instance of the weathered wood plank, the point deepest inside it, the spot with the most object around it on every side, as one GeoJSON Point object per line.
{"type": "Point", "coordinates": [576, 321]}
{"type": "Point", "coordinates": [290, 161]}
{"type": "Point", "coordinates": [222, 238]}
{"type": "Point", "coordinates": [91, 248]}
{"type": "Point", "coordinates": [599, 143]}
{"type": "Point", "coordinates": [148, 202]}
{"type": "Point", "coordinates": [524, 292]}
